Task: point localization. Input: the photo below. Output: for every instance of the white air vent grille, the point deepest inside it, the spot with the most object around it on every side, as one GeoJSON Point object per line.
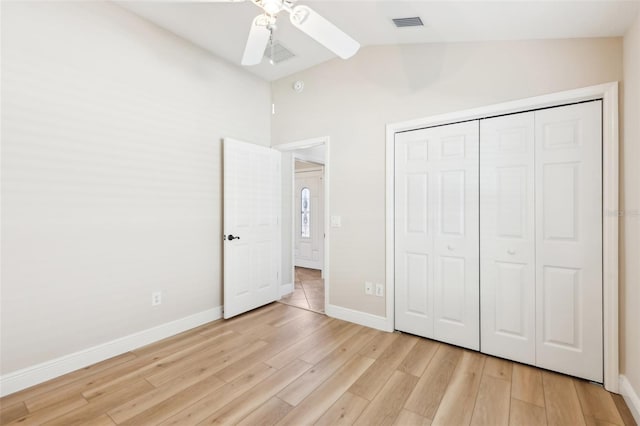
{"type": "Point", "coordinates": [414, 21]}
{"type": "Point", "coordinates": [280, 53]}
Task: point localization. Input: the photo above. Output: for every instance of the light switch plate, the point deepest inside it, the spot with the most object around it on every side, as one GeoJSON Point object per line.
{"type": "Point", "coordinates": [336, 221]}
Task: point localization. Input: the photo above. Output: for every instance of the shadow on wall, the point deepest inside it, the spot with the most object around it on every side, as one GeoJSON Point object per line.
{"type": "Point", "coordinates": [420, 65]}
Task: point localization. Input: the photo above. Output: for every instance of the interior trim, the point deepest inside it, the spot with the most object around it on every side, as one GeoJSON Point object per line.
{"type": "Point", "coordinates": [631, 397]}
{"type": "Point", "coordinates": [286, 289]}
{"type": "Point", "coordinates": [363, 318]}
{"type": "Point", "coordinates": [33, 375]}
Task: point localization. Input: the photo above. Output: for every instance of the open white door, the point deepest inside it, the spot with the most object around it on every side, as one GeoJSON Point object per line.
{"type": "Point", "coordinates": [251, 226]}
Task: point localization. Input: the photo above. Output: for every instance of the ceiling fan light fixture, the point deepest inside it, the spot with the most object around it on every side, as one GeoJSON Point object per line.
{"type": "Point", "coordinates": [272, 7]}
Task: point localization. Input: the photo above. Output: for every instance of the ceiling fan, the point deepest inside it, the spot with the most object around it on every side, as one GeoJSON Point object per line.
{"type": "Point", "coordinates": [302, 17]}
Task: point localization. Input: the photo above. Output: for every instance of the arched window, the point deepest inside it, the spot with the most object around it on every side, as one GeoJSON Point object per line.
{"type": "Point", "coordinates": [305, 219]}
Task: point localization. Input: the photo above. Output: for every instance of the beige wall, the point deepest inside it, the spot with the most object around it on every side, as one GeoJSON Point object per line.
{"type": "Point", "coordinates": [111, 175]}
{"type": "Point", "coordinates": [630, 204]}
{"type": "Point", "coordinates": [352, 101]}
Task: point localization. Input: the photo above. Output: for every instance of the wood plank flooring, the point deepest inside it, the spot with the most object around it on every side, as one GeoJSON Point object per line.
{"type": "Point", "coordinates": [281, 365]}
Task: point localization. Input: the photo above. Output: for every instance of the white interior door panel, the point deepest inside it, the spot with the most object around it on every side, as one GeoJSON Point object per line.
{"type": "Point", "coordinates": [569, 240]}
{"type": "Point", "coordinates": [309, 245]}
{"type": "Point", "coordinates": [414, 246]}
{"type": "Point", "coordinates": [507, 236]}
{"type": "Point", "coordinates": [436, 215]}
{"type": "Point", "coordinates": [251, 226]}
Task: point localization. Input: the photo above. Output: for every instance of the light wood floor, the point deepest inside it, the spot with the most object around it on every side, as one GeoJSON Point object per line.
{"type": "Point", "coordinates": [284, 365]}
{"type": "Point", "coordinates": [308, 292]}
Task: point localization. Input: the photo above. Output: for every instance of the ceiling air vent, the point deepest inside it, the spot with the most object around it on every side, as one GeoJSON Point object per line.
{"type": "Point", "coordinates": [414, 21]}
{"type": "Point", "coordinates": [278, 53]}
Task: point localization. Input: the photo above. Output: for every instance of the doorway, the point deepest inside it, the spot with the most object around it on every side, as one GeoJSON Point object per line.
{"type": "Point", "coordinates": [305, 237]}
{"type": "Point", "coordinates": [308, 292]}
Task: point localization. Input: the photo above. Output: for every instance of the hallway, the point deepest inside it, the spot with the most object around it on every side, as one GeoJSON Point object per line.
{"type": "Point", "coordinates": [308, 290]}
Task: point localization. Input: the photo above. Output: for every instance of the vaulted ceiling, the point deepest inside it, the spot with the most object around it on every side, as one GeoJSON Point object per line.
{"type": "Point", "coordinates": [222, 27]}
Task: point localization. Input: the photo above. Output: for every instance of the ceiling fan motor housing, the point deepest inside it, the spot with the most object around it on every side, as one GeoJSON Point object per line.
{"type": "Point", "coordinates": [272, 7]}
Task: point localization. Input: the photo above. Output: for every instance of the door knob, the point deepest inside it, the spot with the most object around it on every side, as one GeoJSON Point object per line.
{"type": "Point", "coordinates": [511, 251]}
{"type": "Point", "coordinates": [231, 238]}
{"type": "Point", "coordinates": [450, 247]}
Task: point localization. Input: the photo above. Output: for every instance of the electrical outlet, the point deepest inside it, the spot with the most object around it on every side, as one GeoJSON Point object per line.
{"type": "Point", "coordinates": [379, 290]}
{"type": "Point", "coordinates": [368, 287]}
{"type": "Point", "coordinates": [156, 298]}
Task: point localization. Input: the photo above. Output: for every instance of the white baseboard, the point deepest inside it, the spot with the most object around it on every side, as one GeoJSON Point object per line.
{"type": "Point", "coordinates": [358, 317]}
{"type": "Point", "coordinates": [286, 289]}
{"type": "Point", "coordinates": [22, 379]}
{"type": "Point", "coordinates": [631, 397]}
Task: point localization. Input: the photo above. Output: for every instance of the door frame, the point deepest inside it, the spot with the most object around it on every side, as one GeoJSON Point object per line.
{"type": "Point", "coordinates": [608, 92]}
{"type": "Point", "coordinates": [302, 144]}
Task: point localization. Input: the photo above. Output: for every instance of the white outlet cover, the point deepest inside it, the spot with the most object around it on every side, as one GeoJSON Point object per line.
{"type": "Point", "coordinates": [368, 287]}
{"type": "Point", "coordinates": [379, 290]}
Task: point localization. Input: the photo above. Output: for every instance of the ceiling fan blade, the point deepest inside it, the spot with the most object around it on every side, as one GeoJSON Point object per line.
{"type": "Point", "coordinates": [257, 41]}
{"type": "Point", "coordinates": [323, 31]}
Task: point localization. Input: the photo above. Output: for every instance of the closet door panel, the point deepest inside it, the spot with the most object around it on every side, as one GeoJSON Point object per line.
{"type": "Point", "coordinates": [507, 236]}
{"type": "Point", "coordinates": [436, 229]}
{"type": "Point", "coordinates": [414, 236]}
{"type": "Point", "coordinates": [456, 239]}
{"type": "Point", "coordinates": [569, 240]}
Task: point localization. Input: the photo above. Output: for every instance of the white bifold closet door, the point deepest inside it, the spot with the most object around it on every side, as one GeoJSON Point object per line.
{"type": "Point", "coordinates": [507, 236]}
{"type": "Point", "coordinates": [569, 239]}
{"type": "Point", "coordinates": [541, 238]}
{"type": "Point", "coordinates": [437, 235]}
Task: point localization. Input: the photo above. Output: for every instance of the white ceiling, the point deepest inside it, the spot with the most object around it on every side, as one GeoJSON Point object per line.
{"type": "Point", "coordinates": [222, 28]}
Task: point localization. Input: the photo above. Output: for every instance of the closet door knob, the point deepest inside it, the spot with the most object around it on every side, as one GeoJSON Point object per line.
{"type": "Point", "coordinates": [450, 248]}
{"type": "Point", "coordinates": [511, 251]}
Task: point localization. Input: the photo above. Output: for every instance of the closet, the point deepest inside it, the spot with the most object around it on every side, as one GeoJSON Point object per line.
{"type": "Point", "coordinates": [498, 236]}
